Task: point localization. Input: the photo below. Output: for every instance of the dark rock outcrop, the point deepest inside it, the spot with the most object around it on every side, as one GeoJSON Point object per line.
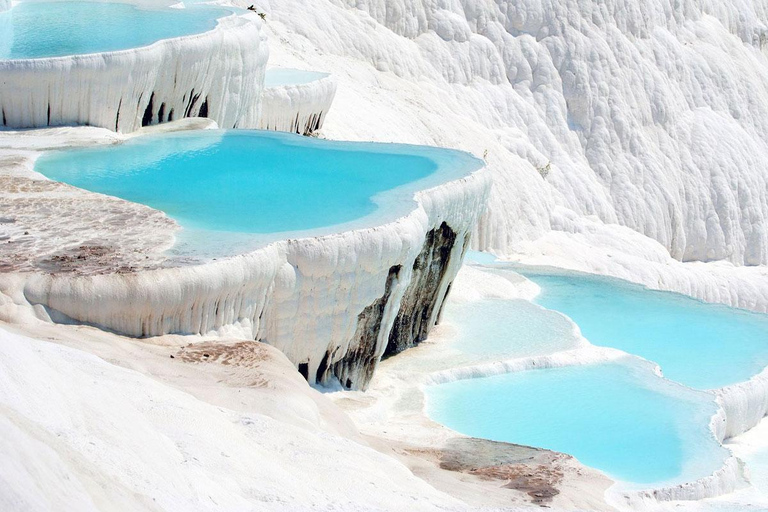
{"type": "Point", "coordinates": [419, 310]}
{"type": "Point", "coordinates": [423, 293]}
{"type": "Point", "coordinates": [355, 369]}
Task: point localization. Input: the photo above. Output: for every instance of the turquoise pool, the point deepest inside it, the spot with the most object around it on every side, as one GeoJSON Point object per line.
{"type": "Point", "coordinates": [32, 30]}
{"type": "Point", "coordinates": [701, 345]}
{"type": "Point", "coordinates": [260, 182]}
{"type": "Point", "coordinates": [615, 417]}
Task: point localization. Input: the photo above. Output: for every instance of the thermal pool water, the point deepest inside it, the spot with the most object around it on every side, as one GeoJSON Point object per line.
{"type": "Point", "coordinates": [530, 331]}
{"type": "Point", "coordinates": [258, 185]}
{"type": "Point", "coordinates": [619, 416]}
{"type": "Point", "coordinates": [616, 417]}
{"type": "Point", "coordinates": [701, 345]}
{"type": "Point", "coordinates": [33, 30]}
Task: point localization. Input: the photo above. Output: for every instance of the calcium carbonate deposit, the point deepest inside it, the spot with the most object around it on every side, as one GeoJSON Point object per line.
{"type": "Point", "coordinates": [154, 355]}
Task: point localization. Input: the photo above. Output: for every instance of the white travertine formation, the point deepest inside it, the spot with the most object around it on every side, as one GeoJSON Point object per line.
{"type": "Point", "coordinates": [297, 108]}
{"type": "Point", "coordinates": [217, 74]}
{"type": "Point", "coordinates": [646, 114]}
{"type": "Point", "coordinates": [618, 251]}
{"type": "Point", "coordinates": [328, 302]}
{"type": "Point", "coordinates": [634, 116]}
{"type": "Point", "coordinates": [745, 404]}
{"type": "Point", "coordinates": [623, 138]}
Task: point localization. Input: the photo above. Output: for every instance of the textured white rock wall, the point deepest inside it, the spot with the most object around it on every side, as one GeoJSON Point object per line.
{"type": "Point", "coordinates": [217, 74]}
{"type": "Point", "coordinates": [726, 480]}
{"type": "Point", "coordinates": [745, 404]}
{"type": "Point", "coordinates": [299, 108]}
{"type": "Point", "coordinates": [652, 114]}
{"type": "Point", "coordinates": [587, 245]}
{"type": "Point", "coordinates": [302, 296]}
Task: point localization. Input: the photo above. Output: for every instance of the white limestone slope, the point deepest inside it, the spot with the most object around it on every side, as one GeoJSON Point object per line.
{"type": "Point", "coordinates": [652, 115]}
{"type": "Point", "coordinates": [217, 74]}
{"type": "Point", "coordinates": [78, 433]}
{"type": "Point", "coordinates": [297, 108]}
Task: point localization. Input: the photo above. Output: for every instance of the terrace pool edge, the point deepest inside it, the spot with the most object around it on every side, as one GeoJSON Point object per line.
{"type": "Point", "coordinates": [744, 403]}
{"type": "Point", "coordinates": [328, 302]}
{"type": "Point", "coordinates": [723, 480]}
{"type": "Point", "coordinates": [58, 91]}
{"type": "Point", "coordinates": [298, 108]}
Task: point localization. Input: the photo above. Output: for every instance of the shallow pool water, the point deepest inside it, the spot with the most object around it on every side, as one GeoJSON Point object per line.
{"type": "Point", "coordinates": [259, 182]}
{"type": "Point", "coordinates": [276, 77]}
{"type": "Point", "coordinates": [508, 329]}
{"type": "Point", "coordinates": [618, 417]}
{"type": "Point", "coordinates": [701, 345]}
{"type": "Point", "coordinates": [615, 417]}
{"type": "Point", "coordinates": [32, 30]}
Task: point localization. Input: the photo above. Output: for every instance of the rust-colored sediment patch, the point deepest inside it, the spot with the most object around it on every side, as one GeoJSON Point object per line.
{"type": "Point", "coordinates": [537, 473]}
{"type": "Point", "coordinates": [81, 258]}
{"type": "Point", "coordinates": [54, 228]}
{"type": "Point", "coordinates": [249, 355]}
{"type": "Point", "coordinates": [241, 353]}
{"type": "Point", "coordinates": [539, 482]}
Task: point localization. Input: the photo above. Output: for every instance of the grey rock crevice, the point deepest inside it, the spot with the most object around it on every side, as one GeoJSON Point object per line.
{"type": "Point", "coordinates": [422, 299]}
{"type": "Point", "coordinates": [418, 309]}
{"type": "Point", "coordinates": [355, 369]}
